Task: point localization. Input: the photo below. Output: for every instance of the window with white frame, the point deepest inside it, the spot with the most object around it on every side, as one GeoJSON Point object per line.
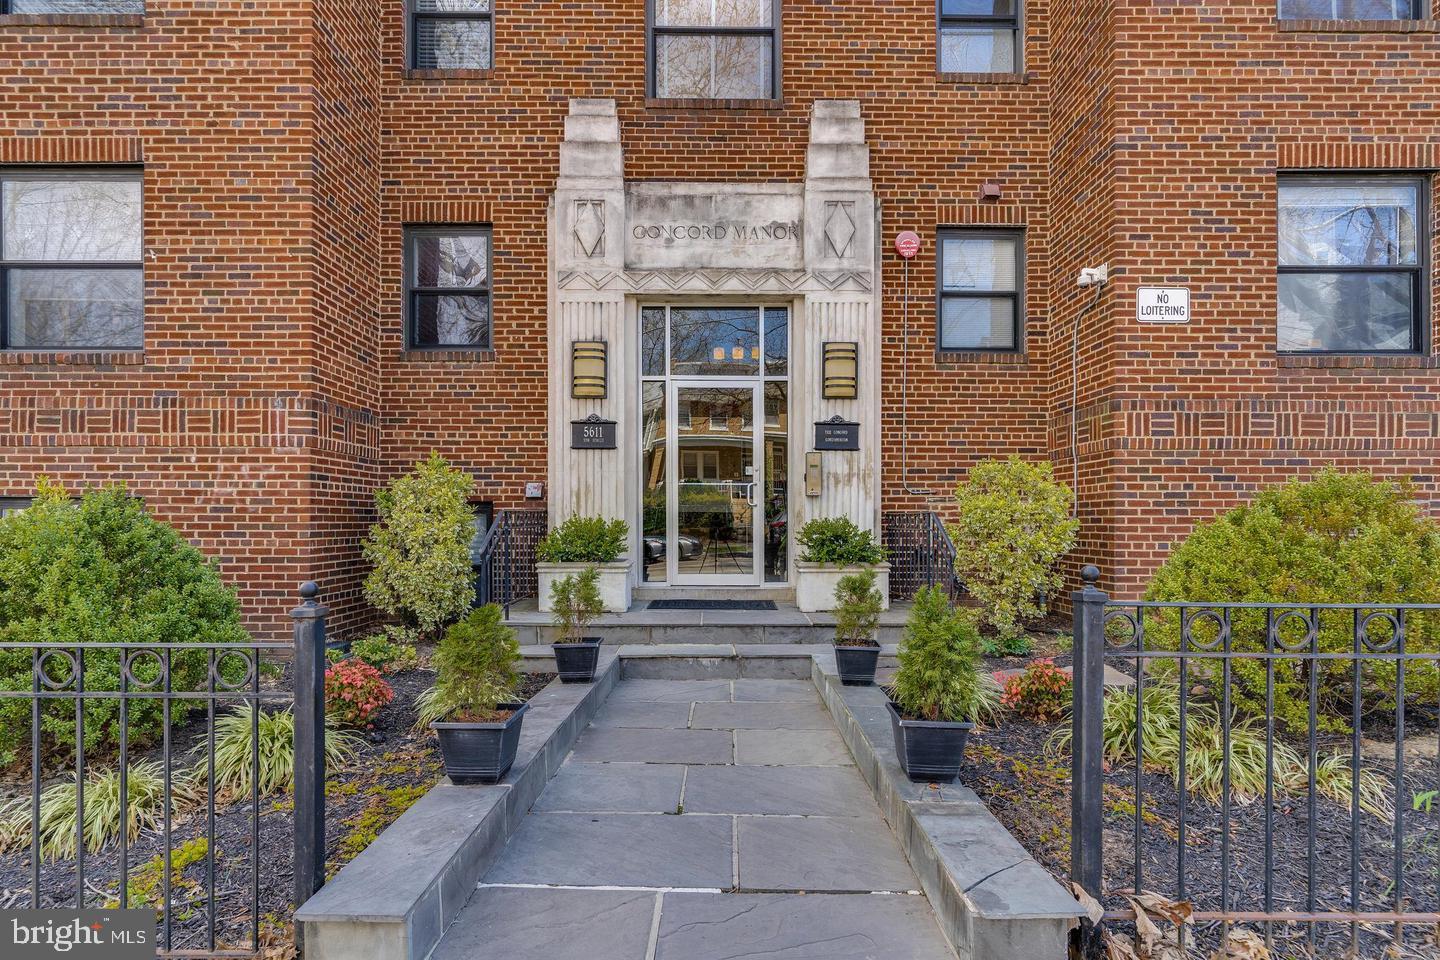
{"type": "Point", "coordinates": [980, 289]}
{"type": "Point", "coordinates": [979, 36]}
{"type": "Point", "coordinates": [71, 271]}
{"type": "Point", "coordinates": [452, 35]}
{"type": "Point", "coordinates": [1351, 264]}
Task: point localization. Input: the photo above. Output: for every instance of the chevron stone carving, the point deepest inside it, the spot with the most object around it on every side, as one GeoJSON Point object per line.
{"type": "Point", "coordinates": [713, 280]}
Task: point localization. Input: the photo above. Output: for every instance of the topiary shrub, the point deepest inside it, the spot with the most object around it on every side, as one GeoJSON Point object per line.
{"type": "Point", "coordinates": [1013, 524]}
{"type": "Point", "coordinates": [420, 549]}
{"type": "Point", "coordinates": [102, 570]}
{"type": "Point", "coordinates": [584, 540]}
{"type": "Point", "coordinates": [576, 603]}
{"type": "Point", "coordinates": [857, 609]}
{"type": "Point", "coordinates": [1339, 538]}
{"type": "Point", "coordinates": [939, 676]}
{"type": "Point", "coordinates": [838, 541]}
{"type": "Point", "coordinates": [475, 671]}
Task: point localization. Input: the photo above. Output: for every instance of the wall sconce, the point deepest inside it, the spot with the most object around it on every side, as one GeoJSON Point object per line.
{"type": "Point", "coordinates": [842, 371]}
{"type": "Point", "coordinates": [589, 373]}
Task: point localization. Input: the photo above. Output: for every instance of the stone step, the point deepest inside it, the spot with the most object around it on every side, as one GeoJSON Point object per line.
{"type": "Point", "coordinates": [738, 634]}
{"type": "Point", "coordinates": [707, 661]}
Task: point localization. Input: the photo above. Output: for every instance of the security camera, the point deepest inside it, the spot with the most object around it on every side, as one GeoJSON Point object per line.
{"type": "Point", "coordinates": [1093, 276]}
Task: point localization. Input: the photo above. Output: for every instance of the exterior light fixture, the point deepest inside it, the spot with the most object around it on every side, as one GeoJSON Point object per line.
{"type": "Point", "coordinates": [842, 371]}
{"type": "Point", "coordinates": [589, 374]}
{"type": "Point", "coordinates": [737, 353]}
{"type": "Point", "coordinates": [718, 353]}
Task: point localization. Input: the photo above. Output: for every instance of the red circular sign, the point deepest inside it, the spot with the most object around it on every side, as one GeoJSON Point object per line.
{"type": "Point", "coordinates": [907, 244]}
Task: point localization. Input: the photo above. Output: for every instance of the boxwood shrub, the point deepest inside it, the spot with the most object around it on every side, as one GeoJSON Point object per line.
{"type": "Point", "coordinates": [1338, 538]}
{"type": "Point", "coordinates": [102, 570]}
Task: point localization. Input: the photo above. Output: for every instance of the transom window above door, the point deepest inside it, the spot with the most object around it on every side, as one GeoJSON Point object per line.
{"type": "Point", "coordinates": [714, 341]}
{"type": "Point", "coordinates": [714, 49]}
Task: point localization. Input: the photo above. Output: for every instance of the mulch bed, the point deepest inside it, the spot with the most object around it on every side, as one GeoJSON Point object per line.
{"type": "Point", "coordinates": [395, 766]}
{"type": "Point", "coordinates": [1028, 789]}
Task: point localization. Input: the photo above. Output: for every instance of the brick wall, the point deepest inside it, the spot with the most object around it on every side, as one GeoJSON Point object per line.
{"type": "Point", "coordinates": [285, 145]}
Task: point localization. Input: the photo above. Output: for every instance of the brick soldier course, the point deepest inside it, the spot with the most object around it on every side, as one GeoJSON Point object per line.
{"type": "Point", "coordinates": [285, 147]}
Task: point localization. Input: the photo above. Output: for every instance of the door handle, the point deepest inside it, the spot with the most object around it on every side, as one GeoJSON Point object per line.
{"type": "Point", "coordinates": [750, 497]}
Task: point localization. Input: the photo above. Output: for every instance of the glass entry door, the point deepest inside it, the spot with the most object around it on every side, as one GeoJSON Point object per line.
{"type": "Point", "coordinates": [715, 517]}
{"type": "Point", "coordinates": [714, 442]}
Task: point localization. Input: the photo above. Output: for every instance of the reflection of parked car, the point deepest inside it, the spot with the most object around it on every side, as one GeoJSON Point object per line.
{"type": "Point", "coordinates": [690, 548]}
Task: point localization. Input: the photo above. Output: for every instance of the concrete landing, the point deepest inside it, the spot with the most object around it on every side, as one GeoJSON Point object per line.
{"type": "Point", "coordinates": [700, 820]}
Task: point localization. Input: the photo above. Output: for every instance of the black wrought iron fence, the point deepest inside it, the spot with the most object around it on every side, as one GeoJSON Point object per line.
{"type": "Point", "coordinates": [175, 779]}
{"type": "Point", "coordinates": [1271, 766]}
{"type": "Point", "coordinates": [505, 568]}
{"type": "Point", "coordinates": [920, 552]}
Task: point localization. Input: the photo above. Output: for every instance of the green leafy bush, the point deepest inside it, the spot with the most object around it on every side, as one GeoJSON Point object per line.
{"type": "Point", "coordinates": [354, 692]}
{"type": "Point", "coordinates": [1042, 692]}
{"type": "Point", "coordinates": [575, 601]}
{"type": "Point", "coordinates": [837, 540]}
{"type": "Point", "coordinates": [939, 676]}
{"type": "Point", "coordinates": [857, 609]}
{"type": "Point", "coordinates": [101, 570]}
{"type": "Point", "coordinates": [476, 670]}
{"type": "Point", "coordinates": [234, 752]}
{"type": "Point", "coordinates": [1339, 538]}
{"type": "Point", "coordinates": [1013, 523]}
{"type": "Point", "coordinates": [584, 540]}
{"type": "Point", "coordinates": [420, 549]}
{"type": "Point", "coordinates": [386, 653]}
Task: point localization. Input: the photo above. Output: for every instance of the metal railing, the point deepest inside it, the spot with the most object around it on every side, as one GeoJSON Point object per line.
{"type": "Point", "coordinates": [1290, 690]}
{"type": "Point", "coordinates": [505, 566]}
{"type": "Point", "coordinates": [920, 552]}
{"type": "Point", "coordinates": [67, 679]}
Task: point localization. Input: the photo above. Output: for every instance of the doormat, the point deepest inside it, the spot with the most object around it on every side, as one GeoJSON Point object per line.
{"type": "Point", "coordinates": [711, 605]}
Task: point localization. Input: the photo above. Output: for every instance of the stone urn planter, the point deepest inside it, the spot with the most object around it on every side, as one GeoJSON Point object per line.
{"type": "Point", "coordinates": [929, 751]}
{"type": "Point", "coordinates": [480, 752]}
{"type": "Point", "coordinates": [815, 584]}
{"type": "Point", "coordinates": [614, 583]}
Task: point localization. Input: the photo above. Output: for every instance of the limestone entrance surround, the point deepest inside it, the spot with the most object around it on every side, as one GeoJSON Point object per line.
{"type": "Point", "coordinates": [615, 246]}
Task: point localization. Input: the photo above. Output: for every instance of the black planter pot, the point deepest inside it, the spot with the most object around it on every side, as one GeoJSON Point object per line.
{"type": "Point", "coordinates": [929, 750]}
{"type": "Point", "coordinates": [857, 664]}
{"type": "Point", "coordinates": [575, 662]}
{"type": "Point", "coordinates": [480, 752]}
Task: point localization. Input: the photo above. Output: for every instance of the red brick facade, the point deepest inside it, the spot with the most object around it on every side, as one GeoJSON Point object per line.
{"type": "Point", "coordinates": [285, 145]}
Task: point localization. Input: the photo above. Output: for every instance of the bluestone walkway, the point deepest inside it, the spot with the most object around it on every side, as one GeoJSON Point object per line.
{"type": "Point", "coordinates": [702, 820]}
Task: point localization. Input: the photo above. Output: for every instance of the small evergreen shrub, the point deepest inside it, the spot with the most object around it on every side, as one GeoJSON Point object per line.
{"type": "Point", "coordinates": [1002, 645]}
{"type": "Point", "coordinates": [939, 676]}
{"type": "Point", "coordinates": [354, 692]}
{"type": "Point", "coordinates": [102, 570]}
{"type": "Point", "coordinates": [1042, 692]}
{"type": "Point", "coordinates": [385, 654]}
{"type": "Point", "coordinates": [838, 541]}
{"type": "Point", "coordinates": [584, 540]}
{"type": "Point", "coordinates": [1339, 538]}
{"type": "Point", "coordinates": [857, 609]}
{"type": "Point", "coordinates": [420, 549]}
{"type": "Point", "coordinates": [1012, 524]}
{"type": "Point", "coordinates": [476, 670]}
{"type": "Point", "coordinates": [576, 603]}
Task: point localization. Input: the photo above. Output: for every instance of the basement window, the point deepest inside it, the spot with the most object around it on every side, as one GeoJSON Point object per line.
{"type": "Point", "coordinates": [1351, 9]}
{"type": "Point", "coordinates": [979, 36]}
{"type": "Point", "coordinates": [1351, 267]}
{"type": "Point", "coordinates": [71, 276]}
{"type": "Point", "coordinates": [448, 287]}
{"type": "Point", "coordinates": [451, 34]}
{"type": "Point", "coordinates": [714, 49]}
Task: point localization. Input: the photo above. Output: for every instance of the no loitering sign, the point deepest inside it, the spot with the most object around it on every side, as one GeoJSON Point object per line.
{"type": "Point", "coordinates": [1162, 304]}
